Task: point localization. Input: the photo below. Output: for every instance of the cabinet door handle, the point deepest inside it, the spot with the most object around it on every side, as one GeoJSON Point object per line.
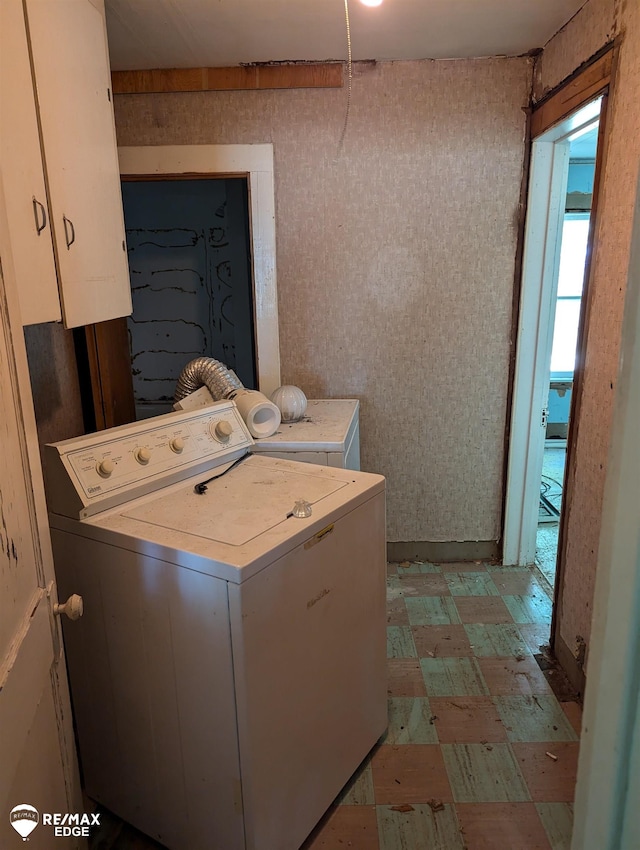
{"type": "Point", "coordinates": [41, 220]}
{"type": "Point", "coordinates": [69, 231]}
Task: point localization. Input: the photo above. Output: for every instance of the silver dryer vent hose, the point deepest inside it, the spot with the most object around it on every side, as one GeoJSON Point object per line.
{"type": "Point", "coordinates": [212, 374]}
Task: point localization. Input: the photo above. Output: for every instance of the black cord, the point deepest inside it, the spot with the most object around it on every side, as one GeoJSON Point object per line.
{"type": "Point", "coordinates": [546, 486]}
{"type": "Point", "coordinates": [201, 488]}
{"type": "Point", "coordinates": [552, 480]}
{"type": "Point", "coordinates": [551, 508]}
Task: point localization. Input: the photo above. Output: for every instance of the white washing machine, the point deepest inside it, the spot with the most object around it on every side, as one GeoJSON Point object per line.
{"type": "Point", "coordinates": [328, 434]}
{"type": "Point", "coordinates": [228, 674]}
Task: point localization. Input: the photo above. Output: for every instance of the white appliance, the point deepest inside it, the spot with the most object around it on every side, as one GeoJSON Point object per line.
{"type": "Point", "coordinates": [328, 434]}
{"type": "Point", "coordinates": [228, 674]}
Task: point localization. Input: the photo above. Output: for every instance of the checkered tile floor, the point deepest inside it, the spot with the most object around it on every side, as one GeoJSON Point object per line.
{"type": "Point", "coordinates": [479, 753]}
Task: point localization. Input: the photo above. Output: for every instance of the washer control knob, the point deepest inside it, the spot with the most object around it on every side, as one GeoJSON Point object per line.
{"type": "Point", "coordinates": [105, 467]}
{"type": "Point", "coordinates": [176, 445]}
{"type": "Point", "coordinates": [223, 430]}
{"type": "Point", "coordinates": [142, 455]}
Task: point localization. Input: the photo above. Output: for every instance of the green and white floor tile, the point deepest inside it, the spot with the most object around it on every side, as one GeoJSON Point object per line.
{"type": "Point", "coordinates": [479, 752]}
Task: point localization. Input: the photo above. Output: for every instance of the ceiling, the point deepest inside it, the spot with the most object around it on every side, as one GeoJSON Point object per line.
{"type": "Point", "coordinates": [585, 146]}
{"type": "Point", "coordinates": [208, 33]}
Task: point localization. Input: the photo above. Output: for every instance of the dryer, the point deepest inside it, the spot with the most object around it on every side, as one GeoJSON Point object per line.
{"type": "Point", "coordinates": [328, 434]}
{"type": "Point", "coordinates": [229, 673]}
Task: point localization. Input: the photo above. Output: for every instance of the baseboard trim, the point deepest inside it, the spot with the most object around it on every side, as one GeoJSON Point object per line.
{"type": "Point", "coordinates": [443, 552]}
{"type": "Point", "coordinates": [569, 664]}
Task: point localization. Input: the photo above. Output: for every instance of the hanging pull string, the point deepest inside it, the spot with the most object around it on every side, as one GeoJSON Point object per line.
{"type": "Point", "coordinates": [349, 78]}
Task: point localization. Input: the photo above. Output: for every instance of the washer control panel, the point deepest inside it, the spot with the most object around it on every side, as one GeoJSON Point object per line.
{"type": "Point", "coordinates": [143, 456]}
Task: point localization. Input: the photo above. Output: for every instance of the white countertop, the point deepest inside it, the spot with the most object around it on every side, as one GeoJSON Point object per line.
{"type": "Point", "coordinates": [326, 426]}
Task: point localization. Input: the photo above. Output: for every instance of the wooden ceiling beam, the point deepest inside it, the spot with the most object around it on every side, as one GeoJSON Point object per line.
{"type": "Point", "coordinates": [249, 78]}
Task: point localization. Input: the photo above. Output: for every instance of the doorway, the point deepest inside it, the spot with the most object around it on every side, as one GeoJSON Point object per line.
{"type": "Point", "coordinates": [255, 164]}
{"type": "Point", "coordinates": [574, 240]}
{"type": "Point", "coordinates": [107, 345]}
{"type": "Point", "coordinates": [558, 234]}
{"type": "Point", "coordinates": [190, 266]}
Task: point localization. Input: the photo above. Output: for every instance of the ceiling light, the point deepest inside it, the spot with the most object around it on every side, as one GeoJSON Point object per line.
{"type": "Point", "coordinates": [371, 2]}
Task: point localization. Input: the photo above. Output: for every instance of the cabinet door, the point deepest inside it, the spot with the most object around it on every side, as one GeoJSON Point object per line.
{"type": "Point", "coordinates": [37, 758]}
{"type": "Point", "coordinates": [73, 88]}
{"type": "Point", "coordinates": [25, 194]}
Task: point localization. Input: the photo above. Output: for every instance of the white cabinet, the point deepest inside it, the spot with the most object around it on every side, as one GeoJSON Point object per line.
{"type": "Point", "coordinates": [72, 86]}
{"type": "Point", "coordinates": [23, 174]}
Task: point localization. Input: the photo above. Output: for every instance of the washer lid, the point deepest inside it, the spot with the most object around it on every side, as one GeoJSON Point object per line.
{"type": "Point", "coordinates": [239, 506]}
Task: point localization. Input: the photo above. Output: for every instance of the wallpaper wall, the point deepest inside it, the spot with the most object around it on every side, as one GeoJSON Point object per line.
{"type": "Point", "coordinates": [584, 35]}
{"type": "Point", "coordinates": [395, 260]}
{"type": "Point", "coordinates": [600, 19]}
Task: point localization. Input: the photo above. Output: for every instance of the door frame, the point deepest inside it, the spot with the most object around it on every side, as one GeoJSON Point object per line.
{"type": "Point", "coordinates": [547, 192]}
{"type": "Point", "coordinates": [526, 442]}
{"type": "Point", "coordinates": [541, 261]}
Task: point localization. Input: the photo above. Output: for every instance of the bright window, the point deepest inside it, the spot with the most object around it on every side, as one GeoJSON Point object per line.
{"type": "Point", "coordinates": [573, 254]}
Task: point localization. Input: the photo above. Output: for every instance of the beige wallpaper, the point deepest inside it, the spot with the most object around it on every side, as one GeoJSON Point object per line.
{"type": "Point", "coordinates": [583, 36]}
{"type": "Point", "coordinates": [608, 290]}
{"type": "Point", "coordinates": [395, 262]}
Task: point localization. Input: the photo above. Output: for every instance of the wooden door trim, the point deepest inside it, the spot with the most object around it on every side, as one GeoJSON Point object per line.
{"type": "Point", "coordinates": [109, 366]}
{"type": "Point", "coordinates": [585, 84]}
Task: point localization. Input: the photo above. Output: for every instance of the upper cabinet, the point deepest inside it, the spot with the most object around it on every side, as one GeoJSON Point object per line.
{"type": "Point", "coordinates": [73, 141]}
{"type": "Point", "coordinates": [23, 173]}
